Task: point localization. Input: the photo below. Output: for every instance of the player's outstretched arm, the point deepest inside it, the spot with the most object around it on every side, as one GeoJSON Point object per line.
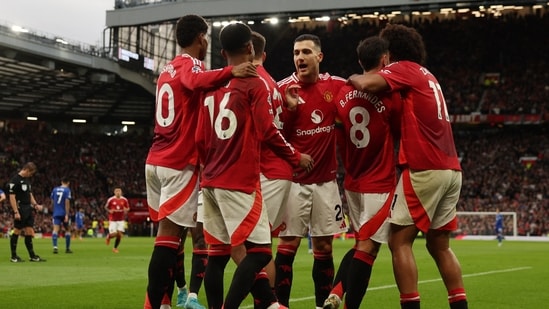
{"type": "Point", "coordinates": [370, 82]}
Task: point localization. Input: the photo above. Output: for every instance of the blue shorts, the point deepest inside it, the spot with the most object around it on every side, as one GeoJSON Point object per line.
{"type": "Point", "coordinates": [60, 220]}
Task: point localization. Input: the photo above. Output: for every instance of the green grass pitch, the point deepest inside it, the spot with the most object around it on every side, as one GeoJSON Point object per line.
{"type": "Point", "coordinates": [515, 275]}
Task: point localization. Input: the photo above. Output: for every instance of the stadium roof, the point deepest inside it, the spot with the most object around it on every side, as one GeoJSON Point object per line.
{"type": "Point", "coordinates": [59, 82]}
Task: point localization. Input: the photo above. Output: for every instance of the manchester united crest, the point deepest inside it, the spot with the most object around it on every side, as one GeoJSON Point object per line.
{"type": "Point", "coordinates": [328, 96]}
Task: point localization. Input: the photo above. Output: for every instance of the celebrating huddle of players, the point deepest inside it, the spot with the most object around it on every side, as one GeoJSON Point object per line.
{"type": "Point", "coordinates": [263, 155]}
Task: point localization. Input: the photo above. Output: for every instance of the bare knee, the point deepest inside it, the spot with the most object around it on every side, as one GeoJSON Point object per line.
{"type": "Point", "coordinates": [290, 241]}
{"type": "Point", "coordinates": [322, 243]}
{"type": "Point", "coordinates": [168, 228]}
{"type": "Point", "coordinates": [238, 253]}
{"type": "Point", "coordinates": [437, 242]}
{"type": "Point", "coordinates": [401, 236]}
{"type": "Point", "coordinates": [369, 246]}
{"type": "Point", "coordinates": [198, 237]}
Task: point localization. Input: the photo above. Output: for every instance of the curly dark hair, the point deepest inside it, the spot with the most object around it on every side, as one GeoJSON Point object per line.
{"type": "Point", "coordinates": [188, 28]}
{"type": "Point", "coordinates": [405, 43]}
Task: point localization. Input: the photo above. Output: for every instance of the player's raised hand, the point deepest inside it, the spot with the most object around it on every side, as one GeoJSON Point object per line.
{"type": "Point", "coordinates": [246, 69]}
{"type": "Point", "coordinates": [292, 96]}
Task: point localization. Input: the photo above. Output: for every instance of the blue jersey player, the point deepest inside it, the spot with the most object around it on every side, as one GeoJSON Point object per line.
{"type": "Point", "coordinates": [79, 221]}
{"type": "Point", "coordinates": [61, 196]}
{"type": "Point", "coordinates": [499, 227]}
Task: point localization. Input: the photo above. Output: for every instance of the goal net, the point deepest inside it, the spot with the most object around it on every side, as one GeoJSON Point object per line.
{"type": "Point", "coordinates": [483, 223]}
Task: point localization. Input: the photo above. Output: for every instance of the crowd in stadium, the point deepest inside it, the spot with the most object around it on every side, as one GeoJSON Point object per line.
{"type": "Point", "coordinates": [94, 163]}
{"type": "Point", "coordinates": [494, 176]}
{"type": "Point", "coordinates": [460, 53]}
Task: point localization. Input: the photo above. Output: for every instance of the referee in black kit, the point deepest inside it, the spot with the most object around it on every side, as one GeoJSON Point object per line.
{"type": "Point", "coordinates": [23, 203]}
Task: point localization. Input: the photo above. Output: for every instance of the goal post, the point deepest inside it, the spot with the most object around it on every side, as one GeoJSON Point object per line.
{"type": "Point", "coordinates": [482, 223]}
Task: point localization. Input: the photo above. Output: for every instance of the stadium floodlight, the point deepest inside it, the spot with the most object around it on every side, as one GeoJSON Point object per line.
{"type": "Point", "coordinates": [217, 24]}
{"type": "Point", "coordinates": [129, 123]}
{"type": "Point", "coordinates": [299, 19]}
{"type": "Point", "coordinates": [79, 120]}
{"type": "Point", "coordinates": [31, 118]}
{"type": "Point", "coordinates": [323, 18]}
{"type": "Point", "coordinates": [19, 29]}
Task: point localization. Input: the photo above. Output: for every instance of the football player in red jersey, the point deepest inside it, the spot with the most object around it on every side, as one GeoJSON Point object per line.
{"type": "Point", "coordinates": [117, 206]}
{"type": "Point", "coordinates": [233, 122]}
{"type": "Point", "coordinates": [429, 186]}
{"type": "Point", "coordinates": [315, 202]}
{"type": "Point", "coordinates": [276, 180]}
{"type": "Point", "coordinates": [370, 173]}
{"type": "Point", "coordinates": [171, 169]}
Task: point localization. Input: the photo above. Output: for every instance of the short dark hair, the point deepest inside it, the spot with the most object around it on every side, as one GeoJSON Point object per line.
{"type": "Point", "coordinates": [234, 37]}
{"type": "Point", "coordinates": [405, 43]}
{"type": "Point", "coordinates": [309, 37]}
{"type": "Point", "coordinates": [370, 50]}
{"type": "Point", "coordinates": [259, 43]}
{"type": "Point", "coordinates": [188, 28]}
{"type": "Point", "coordinates": [65, 179]}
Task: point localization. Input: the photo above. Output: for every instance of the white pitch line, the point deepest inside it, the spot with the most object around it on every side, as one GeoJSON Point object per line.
{"type": "Point", "coordinates": [390, 286]}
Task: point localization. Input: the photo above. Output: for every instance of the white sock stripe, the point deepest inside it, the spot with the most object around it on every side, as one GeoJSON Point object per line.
{"type": "Point", "coordinates": [287, 251]}
{"type": "Point", "coordinates": [456, 295]}
{"type": "Point", "coordinates": [167, 242]}
{"type": "Point", "coordinates": [407, 299]}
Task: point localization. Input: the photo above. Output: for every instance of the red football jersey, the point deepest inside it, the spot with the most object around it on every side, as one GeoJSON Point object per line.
{"type": "Point", "coordinates": [117, 205]}
{"type": "Point", "coordinates": [369, 156]}
{"type": "Point", "coordinates": [311, 127]}
{"type": "Point", "coordinates": [427, 141]}
{"type": "Point", "coordinates": [176, 110]}
{"type": "Point", "coordinates": [271, 165]}
{"type": "Point", "coordinates": [233, 122]}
